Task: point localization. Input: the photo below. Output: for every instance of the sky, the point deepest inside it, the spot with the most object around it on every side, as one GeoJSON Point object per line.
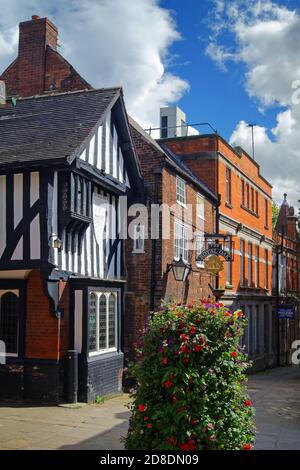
{"type": "Point", "coordinates": [226, 62]}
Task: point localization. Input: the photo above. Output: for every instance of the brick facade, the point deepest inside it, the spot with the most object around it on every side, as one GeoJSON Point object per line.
{"type": "Point", "coordinates": [39, 67]}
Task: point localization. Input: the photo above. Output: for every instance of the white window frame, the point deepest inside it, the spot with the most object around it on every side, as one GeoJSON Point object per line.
{"type": "Point", "coordinates": [98, 294]}
{"type": "Point", "coordinates": [139, 237]}
{"type": "Point", "coordinates": [17, 293]}
{"type": "Point", "coordinates": [180, 191]}
{"type": "Point", "coordinates": [181, 248]}
{"type": "Point", "coordinates": [250, 264]}
{"type": "Point", "coordinates": [242, 262]}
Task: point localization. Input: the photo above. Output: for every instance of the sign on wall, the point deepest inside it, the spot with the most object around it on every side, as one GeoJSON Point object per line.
{"type": "Point", "coordinates": [286, 312]}
{"type": "Point", "coordinates": [214, 265]}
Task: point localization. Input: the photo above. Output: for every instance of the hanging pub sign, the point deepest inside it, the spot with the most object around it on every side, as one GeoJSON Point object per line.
{"type": "Point", "coordinates": [213, 265]}
{"type": "Point", "coordinates": [286, 312]}
{"type": "Point", "coordinates": [215, 248]}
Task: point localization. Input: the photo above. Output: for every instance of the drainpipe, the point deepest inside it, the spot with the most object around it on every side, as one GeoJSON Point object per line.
{"type": "Point", "coordinates": [157, 173]}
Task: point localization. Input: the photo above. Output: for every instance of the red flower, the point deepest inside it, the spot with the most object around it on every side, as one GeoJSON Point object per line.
{"type": "Point", "coordinates": [171, 375]}
{"type": "Point", "coordinates": [194, 422]}
{"type": "Point", "coordinates": [146, 418]}
{"type": "Point", "coordinates": [193, 330]}
{"type": "Point", "coordinates": [248, 403]}
{"type": "Point", "coordinates": [247, 447]}
{"type": "Point", "coordinates": [186, 360]}
{"type": "Point", "coordinates": [183, 337]}
{"type": "Point", "coordinates": [183, 348]}
{"type": "Point", "coordinates": [191, 444]}
{"type": "Point", "coordinates": [201, 340]}
{"type": "Point", "coordinates": [184, 446]}
{"type": "Point", "coordinates": [165, 361]}
{"type": "Point", "coordinates": [233, 354]}
{"type": "Point", "coordinates": [142, 408]}
{"type": "Point", "coordinates": [174, 399]}
{"type": "Point", "coordinates": [168, 384]}
{"type": "Point", "coordinates": [149, 425]}
{"type": "Point", "coordinates": [171, 440]}
{"type": "Point", "coordinates": [198, 348]}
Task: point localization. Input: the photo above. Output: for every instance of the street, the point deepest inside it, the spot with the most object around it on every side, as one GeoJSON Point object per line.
{"type": "Point", "coordinates": [275, 395]}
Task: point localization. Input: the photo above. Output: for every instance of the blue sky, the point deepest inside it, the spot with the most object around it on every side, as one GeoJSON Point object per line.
{"type": "Point", "coordinates": [215, 96]}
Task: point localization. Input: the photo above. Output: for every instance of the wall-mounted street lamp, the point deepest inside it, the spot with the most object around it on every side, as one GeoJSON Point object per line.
{"type": "Point", "coordinates": [180, 269]}
{"type": "Point", "coordinates": [57, 243]}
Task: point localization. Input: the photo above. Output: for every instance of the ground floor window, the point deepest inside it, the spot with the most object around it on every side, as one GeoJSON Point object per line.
{"type": "Point", "coordinates": [102, 321]}
{"type": "Point", "coordinates": [10, 321]}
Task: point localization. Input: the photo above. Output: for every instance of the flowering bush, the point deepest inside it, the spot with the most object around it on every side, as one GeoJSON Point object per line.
{"type": "Point", "coordinates": [190, 375]}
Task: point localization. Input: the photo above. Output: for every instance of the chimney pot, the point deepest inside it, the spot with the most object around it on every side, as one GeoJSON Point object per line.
{"type": "Point", "coordinates": [35, 17]}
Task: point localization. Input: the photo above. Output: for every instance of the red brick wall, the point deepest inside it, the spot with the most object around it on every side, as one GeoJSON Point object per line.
{"type": "Point", "coordinates": [161, 187]}
{"type": "Point", "coordinates": [46, 336]}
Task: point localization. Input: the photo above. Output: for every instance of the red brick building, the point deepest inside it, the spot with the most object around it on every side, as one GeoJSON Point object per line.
{"type": "Point", "coordinates": [39, 67]}
{"type": "Point", "coordinates": [245, 216]}
{"type": "Point", "coordinates": [169, 182]}
{"type": "Point", "coordinates": [286, 259]}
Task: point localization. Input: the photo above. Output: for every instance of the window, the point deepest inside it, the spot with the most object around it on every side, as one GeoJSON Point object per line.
{"type": "Point", "coordinates": [242, 262]}
{"type": "Point", "coordinates": [228, 265]}
{"type": "Point", "coordinates": [249, 264]}
{"type": "Point", "coordinates": [200, 211]}
{"type": "Point", "coordinates": [199, 247]}
{"type": "Point", "coordinates": [180, 190]}
{"type": "Point", "coordinates": [256, 202]}
{"type": "Point", "coordinates": [252, 199]}
{"type": "Point", "coordinates": [266, 214]}
{"type": "Point", "coordinates": [243, 192]}
{"type": "Point", "coordinates": [256, 282]}
{"type": "Point", "coordinates": [247, 195]}
{"type": "Point", "coordinates": [266, 269]}
{"type": "Point", "coordinates": [103, 318]}
{"type": "Point", "coordinates": [180, 241]}
{"type": "Point", "coordinates": [228, 185]}
{"type": "Point", "coordinates": [10, 322]}
{"type": "Point", "coordinates": [164, 127]}
{"type": "Point", "coordinates": [139, 239]}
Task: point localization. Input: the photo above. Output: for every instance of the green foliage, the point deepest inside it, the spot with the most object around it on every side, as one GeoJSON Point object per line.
{"type": "Point", "coordinates": [275, 213]}
{"type": "Point", "coordinates": [99, 400]}
{"type": "Point", "coordinates": [191, 392]}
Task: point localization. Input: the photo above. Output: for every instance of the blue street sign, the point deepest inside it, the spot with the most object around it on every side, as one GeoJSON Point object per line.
{"type": "Point", "coordinates": [286, 312]}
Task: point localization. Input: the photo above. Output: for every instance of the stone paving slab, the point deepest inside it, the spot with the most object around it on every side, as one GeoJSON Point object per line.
{"type": "Point", "coordinates": [276, 398]}
{"type": "Point", "coordinates": [28, 427]}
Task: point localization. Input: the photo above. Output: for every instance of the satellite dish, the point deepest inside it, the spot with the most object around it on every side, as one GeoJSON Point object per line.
{"type": "Point", "coordinates": [2, 92]}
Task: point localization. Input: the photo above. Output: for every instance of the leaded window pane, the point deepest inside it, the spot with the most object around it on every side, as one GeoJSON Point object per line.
{"type": "Point", "coordinates": [112, 321]}
{"type": "Point", "coordinates": [92, 324]}
{"type": "Point", "coordinates": [102, 322]}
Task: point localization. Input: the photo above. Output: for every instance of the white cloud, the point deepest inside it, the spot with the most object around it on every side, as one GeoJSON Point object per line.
{"type": "Point", "coordinates": [110, 42]}
{"type": "Point", "coordinates": [266, 39]}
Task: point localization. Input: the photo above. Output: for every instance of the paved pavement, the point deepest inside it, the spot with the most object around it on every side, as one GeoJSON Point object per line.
{"type": "Point", "coordinates": [275, 394]}
{"type": "Point", "coordinates": [86, 427]}
{"type": "Point", "coordinates": [276, 398]}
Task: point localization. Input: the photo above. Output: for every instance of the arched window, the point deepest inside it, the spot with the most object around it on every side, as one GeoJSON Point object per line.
{"type": "Point", "coordinates": [10, 321]}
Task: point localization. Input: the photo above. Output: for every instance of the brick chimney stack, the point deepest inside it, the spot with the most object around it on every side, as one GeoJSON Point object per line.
{"type": "Point", "coordinates": [34, 36]}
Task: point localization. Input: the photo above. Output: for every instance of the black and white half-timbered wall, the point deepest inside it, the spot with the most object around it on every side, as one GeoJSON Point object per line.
{"type": "Point", "coordinates": [65, 161]}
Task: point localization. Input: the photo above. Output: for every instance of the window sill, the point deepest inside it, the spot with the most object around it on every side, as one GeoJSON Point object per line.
{"type": "Point", "coordinates": [255, 214]}
{"type": "Point", "coordinates": [182, 204]}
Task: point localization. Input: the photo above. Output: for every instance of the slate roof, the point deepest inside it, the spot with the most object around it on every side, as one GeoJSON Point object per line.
{"type": "Point", "coordinates": [174, 160]}
{"type": "Point", "coordinates": [51, 126]}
